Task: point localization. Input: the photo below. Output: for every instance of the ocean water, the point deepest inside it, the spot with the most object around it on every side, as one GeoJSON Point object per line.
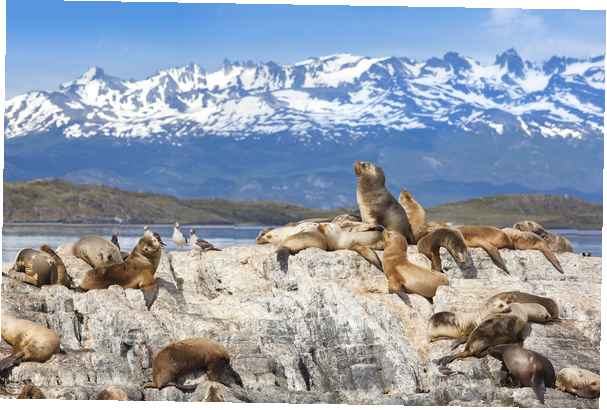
{"type": "Point", "coordinates": [19, 236]}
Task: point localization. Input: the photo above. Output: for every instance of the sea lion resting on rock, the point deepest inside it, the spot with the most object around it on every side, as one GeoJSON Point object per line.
{"type": "Point", "coordinates": [96, 251]}
{"type": "Point", "coordinates": [180, 358]}
{"type": "Point", "coordinates": [112, 393]}
{"type": "Point", "coordinates": [530, 241]}
{"type": "Point", "coordinates": [136, 273]}
{"type": "Point", "coordinates": [556, 243]}
{"type": "Point", "coordinates": [581, 382]}
{"type": "Point", "coordinates": [404, 275]}
{"type": "Point", "coordinates": [526, 298]}
{"type": "Point", "coordinates": [31, 342]}
{"type": "Point", "coordinates": [377, 205]}
{"type": "Point", "coordinates": [526, 367]}
{"type": "Point", "coordinates": [362, 239]}
{"type": "Point", "coordinates": [450, 239]}
{"type": "Point", "coordinates": [43, 267]}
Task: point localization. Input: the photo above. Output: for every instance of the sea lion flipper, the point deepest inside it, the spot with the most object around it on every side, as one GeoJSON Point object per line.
{"type": "Point", "coordinates": [10, 361]}
{"type": "Point", "coordinates": [150, 293]}
{"type": "Point", "coordinates": [552, 259]}
{"type": "Point", "coordinates": [31, 278]}
{"type": "Point", "coordinates": [539, 387]}
{"type": "Point", "coordinates": [495, 256]}
{"type": "Point", "coordinates": [369, 255]}
{"type": "Point", "coordinates": [282, 256]}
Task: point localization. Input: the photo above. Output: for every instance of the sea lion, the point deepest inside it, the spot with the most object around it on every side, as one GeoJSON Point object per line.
{"type": "Point", "coordinates": [488, 238]}
{"type": "Point", "coordinates": [556, 243]}
{"type": "Point", "coordinates": [377, 205]}
{"type": "Point", "coordinates": [97, 251]}
{"type": "Point", "coordinates": [180, 358]}
{"type": "Point", "coordinates": [331, 237]}
{"type": "Point", "coordinates": [581, 382]}
{"type": "Point", "coordinates": [136, 273]}
{"type": "Point", "coordinates": [496, 329]}
{"type": "Point", "coordinates": [31, 342]}
{"type": "Point", "coordinates": [530, 241]}
{"type": "Point", "coordinates": [526, 367]}
{"type": "Point", "coordinates": [112, 393]}
{"type": "Point", "coordinates": [29, 391]}
{"type": "Point", "coordinates": [450, 239]}
{"type": "Point", "coordinates": [525, 298]}
{"type": "Point", "coordinates": [277, 235]}
{"type": "Point", "coordinates": [40, 267]}
{"type": "Point", "coordinates": [404, 275]}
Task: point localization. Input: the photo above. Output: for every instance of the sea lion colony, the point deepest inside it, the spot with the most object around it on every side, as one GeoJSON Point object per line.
{"type": "Point", "coordinates": [497, 328]}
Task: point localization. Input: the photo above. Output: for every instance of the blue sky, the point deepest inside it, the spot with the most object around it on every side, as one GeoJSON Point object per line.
{"type": "Point", "coordinates": [49, 41]}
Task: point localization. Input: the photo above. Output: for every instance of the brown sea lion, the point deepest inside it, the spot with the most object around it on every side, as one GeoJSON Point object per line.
{"type": "Point", "coordinates": [112, 393]}
{"type": "Point", "coordinates": [97, 251]}
{"type": "Point", "coordinates": [404, 275]}
{"type": "Point", "coordinates": [581, 382]}
{"type": "Point", "coordinates": [40, 267]}
{"type": "Point", "coordinates": [277, 235]}
{"type": "Point", "coordinates": [526, 367]}
{"type": "Point", "coordinates": [180, 358]}
{"type": "Point", "coordinates": [29, 391]}
{"type": "Point", "coordinates": [450, 239]}
{"type": "Point", "coordinates": [556, 243]}
{"type": "Point", "coordinates": [530, 241]}
{"type": "Point", "coordinates": [496, 329]}
{"type": "Point", "coordinates": [524, 298]}
{"type": "Point", "coordinates": [214, 394]}
{"type": "Point", "coordinates": [331, 237]}
{"type": "Point", "coordinates": [31, 342]}
{"type": "Point", "coordinates": [377, 205]}
{"type": "Point", "coordinates": [136, 273]}
{"type": "Point", "coordinates": [488, 238]}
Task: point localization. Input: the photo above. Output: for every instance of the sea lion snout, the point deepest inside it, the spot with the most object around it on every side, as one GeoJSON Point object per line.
{"type": "Point", "coordinates": [357, 168]}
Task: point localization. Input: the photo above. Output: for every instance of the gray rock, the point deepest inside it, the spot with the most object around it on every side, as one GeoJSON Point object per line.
{"type": "Point", "coordinates": [327, 331]}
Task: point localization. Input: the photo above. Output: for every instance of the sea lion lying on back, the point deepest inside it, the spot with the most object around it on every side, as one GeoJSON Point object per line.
{"type": "Point", "coordinates": [183, 357]}
{"type": "Point", "coordinates": [136, 273]}
{"type": "Point", "coordinates": [582, 383]}
{"type": "Point", "coordinates": [526, 367]}
{"type": "Point", "coordinates": [43, 267]}
{"type": "Point", "coordinates": [405, 275]}
{"type": "Point", "coordinates": [530, 241]}
{"type": "Point", "coordinates": [556, 243]}
{"type": "Point", "coordinates": [31, 342]}
{"type": "Point", "coordinates": [377, 205]}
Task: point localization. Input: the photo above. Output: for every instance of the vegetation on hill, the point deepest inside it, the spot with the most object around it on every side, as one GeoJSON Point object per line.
{"type": "Point", "coordinates": [60, 201]}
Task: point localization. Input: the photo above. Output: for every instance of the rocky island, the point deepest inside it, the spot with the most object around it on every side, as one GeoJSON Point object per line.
{"type": "Point", "coordinates": [325, 331]}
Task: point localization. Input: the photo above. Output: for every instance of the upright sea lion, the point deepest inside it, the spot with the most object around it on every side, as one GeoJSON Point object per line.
{"type": "Point", "coordinates": [331, 237]}
{"type": "Point", "coordinates": [524, 298]}
{"type": "Point", "coordinates": [136, 273]}
{"type": "Point", "coordinates": [43, 267]}
{"type": "Point", "coordinates": [404, 275]}
{"type": "Point", "coordinates": [496, 329]}
{"type": "Point", "coordinates": [530, 241]}
{"type": "Point", "coordinates": [526, 367]}
{"type": "Point", "coordinates": [29, 391]}
{"type": "Point", "coordinates": [581, 382]}
{"type": "Point", "coordinates": [377, 205]}
{"type": "Point", "coordinates": [450, 239]}
{"type": "Point", "coordinates": [31, 342]}
{"type": "Point", "coordinates": [97, 251]}
{"type": "Point", "coordinates": [556, 243]}
{"type": "Point", "coordinates": [112, 393]}
{"type": "Point", "coordinates": [180, 358]}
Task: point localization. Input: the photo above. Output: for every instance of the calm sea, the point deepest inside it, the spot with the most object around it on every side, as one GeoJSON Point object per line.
{"type": "Point", "coordinates": [18, 236]}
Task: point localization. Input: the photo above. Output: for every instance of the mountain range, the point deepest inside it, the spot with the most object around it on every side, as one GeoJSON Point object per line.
{"type": "Point", "coordinates": [447, 128]}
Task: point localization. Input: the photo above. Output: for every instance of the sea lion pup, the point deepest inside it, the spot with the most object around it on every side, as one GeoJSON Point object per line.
{"type": "Point", "coordinates": [556, 243]}
{"type": "Point", "coordinates": [331, 237]}
{"type": "Point", "coordinates": [180, 358]}
{"type": "Point", "coordinates": [136, 273]}
{"type": "Point", "coordinates": [40, 267]}
{"type": "Point", "coordinates": [31, 342]}
{"type": "Point", "coordinates": [526, 367]}
{"type": "Point", "coordinates": [29, 391]}
{"type": "Point", "coordinates": [496, 329]}
{"type": "Point", "coordinates": [581, 382]}
{"type": "Point", "coordinates": [97, 251]}
{"type": "Point", "coordinates": [526, 298]}
{"type": "Point", "coordinates": [450, 239]}
{"type": "Point", "coordinates": [404, 275]}
{"type": "Point", "coordinates": [112, 393]}
{"type": "Point", "coordinates": [377, 205]}
{"type": "Point", "coordinates": [530, 241]}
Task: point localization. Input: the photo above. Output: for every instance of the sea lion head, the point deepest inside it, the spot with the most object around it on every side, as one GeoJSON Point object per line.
{"type": "Point", "coordinates": [229, 377]}
{"type": "Point", "coordinates": [531, 226]}
{"type": "Point", "coordinates": [580, 382]}
{"type": "Point", "coordinates": [264, 236]}
{"type": "Point", "coordinates": [149, 244]}
{"type": "Point", "coordinates": [405, 196]}
{"type": "Point", "coordinates": [501, 304]}
{"type": "Point", "coordinates": [369, 171]}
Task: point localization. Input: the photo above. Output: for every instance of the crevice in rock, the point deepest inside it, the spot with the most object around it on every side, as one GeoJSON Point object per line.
{"type": "Point", "coordinates": [305, 373]}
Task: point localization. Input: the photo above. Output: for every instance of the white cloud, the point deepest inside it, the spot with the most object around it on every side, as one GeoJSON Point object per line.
{"type": "Point", "coordinates": [509, 21]}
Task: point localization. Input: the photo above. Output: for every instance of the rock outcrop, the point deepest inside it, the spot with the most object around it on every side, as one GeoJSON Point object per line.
{"type": "Point", "coordinates": [326, 331]}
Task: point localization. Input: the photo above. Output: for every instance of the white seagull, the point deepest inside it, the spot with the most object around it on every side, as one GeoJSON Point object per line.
{"type": "Point", "coordinates": [178, 237]}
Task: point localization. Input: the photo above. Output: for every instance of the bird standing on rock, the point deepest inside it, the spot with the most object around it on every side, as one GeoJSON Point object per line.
{"type": "Point", "coordinates": [200, 244]}
{"type": "Point", "coordinates": [178, 237]}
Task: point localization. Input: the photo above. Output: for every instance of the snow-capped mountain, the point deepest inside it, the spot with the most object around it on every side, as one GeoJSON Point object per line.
{"type": "Point", "coordinates": [337, 96]}
{"type": "Point", "coordinates": [291, 132]}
